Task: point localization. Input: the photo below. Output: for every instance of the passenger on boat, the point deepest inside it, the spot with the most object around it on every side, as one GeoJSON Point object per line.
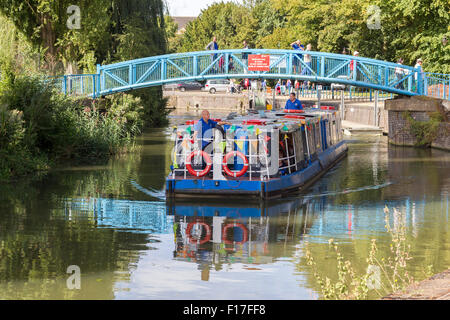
{"type": "Point", "coordinates": [293, 103]}
{"type": "Point", "coordinates": [203, 128]}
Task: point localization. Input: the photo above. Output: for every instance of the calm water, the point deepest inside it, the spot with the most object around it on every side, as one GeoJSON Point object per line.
{"type": "Point", "coordinates": [108, 220]}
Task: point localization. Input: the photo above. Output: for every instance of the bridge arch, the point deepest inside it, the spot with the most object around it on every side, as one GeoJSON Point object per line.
{"type": "Point", "coordinates": [284, 64]}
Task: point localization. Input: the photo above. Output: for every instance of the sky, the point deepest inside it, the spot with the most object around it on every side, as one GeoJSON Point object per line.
{"type": "Point", "coordinates": [190, 8]}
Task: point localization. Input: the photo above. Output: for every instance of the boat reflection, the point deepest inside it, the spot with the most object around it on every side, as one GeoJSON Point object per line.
{"type": "Point", "coordinates": [211, 234]}
{"type": "Point", "coordinates": [216, 234]}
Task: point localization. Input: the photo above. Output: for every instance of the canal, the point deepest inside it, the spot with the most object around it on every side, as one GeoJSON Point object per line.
{"type": "Point", "coordinates": [112, 221]}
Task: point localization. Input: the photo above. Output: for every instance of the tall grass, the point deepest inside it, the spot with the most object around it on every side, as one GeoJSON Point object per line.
{"type": "Point", "coordinates": [384, 275]}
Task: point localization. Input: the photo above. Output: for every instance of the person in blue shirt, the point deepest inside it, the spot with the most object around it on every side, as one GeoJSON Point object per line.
{"type": "Point", "coordinates": [297, 45]}
{"type": "Point", "coordinates": [203, 128]}
{"type": "Point", "coordinates": [293, 103]}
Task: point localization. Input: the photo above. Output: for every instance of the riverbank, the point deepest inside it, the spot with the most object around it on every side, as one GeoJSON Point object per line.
{"type": "Point", "coordinates": [435, 288]}
{"type": "Point", "coordinates": [39, 127]}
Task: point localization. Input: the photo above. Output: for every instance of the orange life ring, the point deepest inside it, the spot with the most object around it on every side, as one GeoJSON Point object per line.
{"type": "Point", "coordinates": [235, 225]}
{"type": "Point", "coordinates": [208, 161]}
{"type": "Point", "coordinates": [192, 239]}
{"type": "Point", "coordinates": [293, 111]}
{"type": "Point", "coordinates": [227, 170]}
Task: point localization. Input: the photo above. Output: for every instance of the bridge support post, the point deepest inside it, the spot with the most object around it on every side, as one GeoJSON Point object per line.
{"type": "Point", "coordinates": [65, 85]}
{"type": "Point", "coordinates": [195, 66]}
{"type": "Point", "coordinates": [163, 69]}
{"type": "Point", "coordinates": [419, 82]}
{"type": "Point", "coordinates": [343, 104]}
{"type": "Point", "coordinates": [290, 59]}
{"type": "Point", "coordinates": [94, 84]}
{"type": "Point", "coordinates": [445, 90]}
{"type": "Point", "coordinates": [322, 66]}
{"type": "Point", "coordinates": [97, 87]}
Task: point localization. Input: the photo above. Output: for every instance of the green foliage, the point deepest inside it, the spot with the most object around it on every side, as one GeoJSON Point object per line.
{"type": "Point", "coordinates": [15, 158]}
{"type": "Point", "coordinates": [37, 123]}
{"type": "Point", "coordinates": [155, 112]}
{"type": "Point", "coordinates": [425, 131]}
{"type": "Point", "coordinates": [409, 30]}
{"type": "Point", "coordinates": [111, 31]}
{"type": "Point", "coordinates": [16, 52]}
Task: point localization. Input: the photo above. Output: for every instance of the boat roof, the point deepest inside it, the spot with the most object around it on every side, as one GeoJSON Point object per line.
{"type": "Point", "coordinates": [277, 119]}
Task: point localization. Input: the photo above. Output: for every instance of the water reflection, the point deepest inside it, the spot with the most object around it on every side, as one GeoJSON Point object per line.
{"type": "Point", "coordinates": [129, 246]}
{"type": "Point", "coordinates": [213, 235]}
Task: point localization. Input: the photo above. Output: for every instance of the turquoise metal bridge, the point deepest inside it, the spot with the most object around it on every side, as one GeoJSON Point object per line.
{"type": "Point", "coordinates": [324, 68]}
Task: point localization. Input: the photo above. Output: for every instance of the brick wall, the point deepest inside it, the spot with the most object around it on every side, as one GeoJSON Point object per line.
{"type": "Point", "coordinates": [420, 109]}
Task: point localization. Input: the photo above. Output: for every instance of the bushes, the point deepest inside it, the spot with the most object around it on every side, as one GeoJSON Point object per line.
{"type": "Point", "coordinates": [38, 125]}
{"type": "Point", "coordinates": [15, 157]}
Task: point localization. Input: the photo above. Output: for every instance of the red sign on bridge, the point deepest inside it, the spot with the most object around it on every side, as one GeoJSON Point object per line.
{"type": "Point", "coordinates": [259, 62]}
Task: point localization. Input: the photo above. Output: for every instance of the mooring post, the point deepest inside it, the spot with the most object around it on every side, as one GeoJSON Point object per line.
{"type": "Point", "coordinates": [319, 91]}
{"type": "Point", "coordinates": [376, 109]}
{"type": "Point", "coordinates": [343, 104]}
{"type": "Point", "coordinates": [273, 99]}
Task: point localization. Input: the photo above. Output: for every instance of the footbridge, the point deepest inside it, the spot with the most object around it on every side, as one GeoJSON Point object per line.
{"type": "Point", "coordinates": [320, 67]}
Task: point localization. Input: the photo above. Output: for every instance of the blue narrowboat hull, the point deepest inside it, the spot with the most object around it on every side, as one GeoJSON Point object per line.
{"type": "Point", "coordinates": [255, 188]}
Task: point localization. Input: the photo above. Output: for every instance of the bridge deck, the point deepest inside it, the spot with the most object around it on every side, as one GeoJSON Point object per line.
{"type": "Point", "coordinates": [323, 68]}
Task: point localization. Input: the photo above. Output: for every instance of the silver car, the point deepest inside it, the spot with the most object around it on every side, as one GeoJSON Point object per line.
{"type": "Point", "coordinates": [219, 85]}
{"type": "Point", "coordinates": [339, 86]}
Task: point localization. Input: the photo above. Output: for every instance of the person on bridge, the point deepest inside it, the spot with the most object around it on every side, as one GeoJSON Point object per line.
{"type": "Point", "coordinates": [293, 103]}
{"type": "Point", "coordinates": [308, 61]}
{"type": "Point", "coordinates": [203, 128]}
{"type": "Point", "coordinates": [353, 66]}
{"type": "Point", "coordinates": [245, 55]}
{"type": "Point", "coordinates": [399, 74]}
{"type": "Point", "coordinates": [297, 45]}
{"type": "Point", "coordinates": [211, 47]}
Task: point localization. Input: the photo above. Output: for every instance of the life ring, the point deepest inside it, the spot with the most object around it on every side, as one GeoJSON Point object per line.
{"type": "Point", "coordinates": [192, 239]}
{"type": "Point", "coordinates": [208, 161]}
{"type": "Point", "coordinates": [293, 111]}
{"type": "Point", "coordinates": [227, 170]}
{"type": "Point", "coordinates": [235, 225]}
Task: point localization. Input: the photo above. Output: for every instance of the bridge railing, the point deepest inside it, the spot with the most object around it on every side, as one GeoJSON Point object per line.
{"type": "Point", "coordinates": [437, 85]}
{"type": "Point", "coordinates": [76, 85]}
{"type": "Point", "coordinates": [323, 67]}
{"type": "Point", "coordinates": [318, 67]}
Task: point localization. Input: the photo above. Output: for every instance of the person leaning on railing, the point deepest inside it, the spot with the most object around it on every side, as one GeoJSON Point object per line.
{"type": "Point", "coordinates": [297, 46]}
{"type": "Point", "coordinates": [203, 128]}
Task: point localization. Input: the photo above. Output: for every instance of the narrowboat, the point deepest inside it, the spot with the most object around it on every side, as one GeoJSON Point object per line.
{"type": "Point", "coordinates": [262, 154]}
